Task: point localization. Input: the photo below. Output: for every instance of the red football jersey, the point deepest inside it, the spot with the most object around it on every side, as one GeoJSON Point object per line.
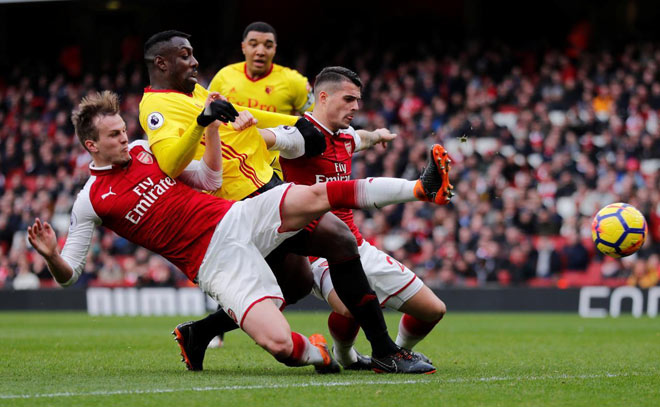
{"type": "Point", "coordinates": [144, 205]}
{"type": "Point", "coordinates": [334, 164]}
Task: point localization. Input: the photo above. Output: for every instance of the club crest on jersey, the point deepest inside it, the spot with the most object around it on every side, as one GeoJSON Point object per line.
{"type": "Point", "coordinates": [349, 147]}
{"type": "Point", "coordinates": [269, 89]}
{"type": "Point", "coordinates": [145, 158]}
{"type": "Point", "coordinates": [155, 120]}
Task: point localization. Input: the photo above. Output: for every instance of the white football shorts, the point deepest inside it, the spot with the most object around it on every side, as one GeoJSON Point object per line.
{"type": "Point", "coordinates": [234, 272]}
{"type": "Point", "coordinates": [393, 282]}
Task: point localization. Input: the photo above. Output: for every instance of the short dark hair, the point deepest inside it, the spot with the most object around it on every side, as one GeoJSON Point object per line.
{"type": "Point", "coordinates": [154, 45]}
{"type": "Point", "coordinates": [105, 103]}
{"type": "Point", "coordinates": [260, 27]}
{"type": "Point", "coordinates": [335, 75]}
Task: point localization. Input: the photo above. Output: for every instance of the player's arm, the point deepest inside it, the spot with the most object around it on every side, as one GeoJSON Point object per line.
{"type": "Point", "coordinates": [295, 141]}
{"type": "Point", "coordinates": [371, 138]}
{"type": "Point", "coordinates": [174, 154]}
{"type": "Point", "coordinates": [67, 266]}
{"type": "Point", "coordinates": [42, 237]}
{"type": "Point", "coordinates": [269, 119]}
{"type": "Point", "coordinates": [207, 173]}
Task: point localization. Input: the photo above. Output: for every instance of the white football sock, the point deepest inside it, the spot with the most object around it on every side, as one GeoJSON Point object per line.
{"type": "Point", "coordinates": [382, 191]}
{"type": "Point", "coordinates": [344, 353]}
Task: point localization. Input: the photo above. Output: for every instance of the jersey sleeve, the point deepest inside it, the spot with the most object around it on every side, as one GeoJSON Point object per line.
{"type": "Point", "coordinates": [173, 136]}
{"type": "Point", "coordinates": [83, 222]}
{"type": "Point", "coordinates": [303, 95]}
{"type": "Point", "coordinates": [161, 121]}
{"type": "Point", "coordinates": [198, 175]}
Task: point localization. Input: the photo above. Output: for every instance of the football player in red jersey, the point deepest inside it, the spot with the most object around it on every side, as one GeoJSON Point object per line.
{"type": "Point", "coordinates": [219, 244]}
{"type": "Point", "coordinates": [337, 92]}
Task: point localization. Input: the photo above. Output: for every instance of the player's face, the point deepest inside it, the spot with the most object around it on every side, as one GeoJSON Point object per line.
{"type": "Point", "coordinates": [341, 105]}
{"type": "Point", "coordinates": [182, 65]}
{"type": "Point", "coordinates": [111, 148]}
{"type": "Point", "coordinates": [259, 50]}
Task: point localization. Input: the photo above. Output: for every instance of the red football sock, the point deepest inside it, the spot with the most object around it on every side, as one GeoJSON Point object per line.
{"type": "Point", "coordinates": [343, 329]}
{"type": "Point", "coordinates": [303, 354]}
{"type": "Point", "coordinates": [342, 194]}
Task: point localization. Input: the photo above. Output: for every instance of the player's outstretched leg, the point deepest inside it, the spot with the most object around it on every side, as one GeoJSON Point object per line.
{"type": "Point", "coordinates": [302, 204]}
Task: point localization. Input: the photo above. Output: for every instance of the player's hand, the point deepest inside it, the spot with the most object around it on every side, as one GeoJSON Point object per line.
{"type": "Point", "coordinates": [213, 96]}
{"type": "Point", "coordinates": [217, 110]}
{"type": "Point", "coordinates": [42, 237]}
{"type": "Point", "coordinates": [243, 121]}
{"type": "Point", "coordinates": [385, 136]}
{"type": "Point", "coordinates": [314, 139]}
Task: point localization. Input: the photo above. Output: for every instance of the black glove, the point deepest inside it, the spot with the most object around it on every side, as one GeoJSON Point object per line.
{"type": "Point", "coordinates": [217, 110]}
{"type": "Point", "coordinates": [314, 139]}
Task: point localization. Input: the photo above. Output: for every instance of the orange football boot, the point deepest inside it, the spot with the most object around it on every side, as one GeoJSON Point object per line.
{"type": "Point", "coordinates": [330, 365]}
{"type": "Point", "coordinates": [433, 185]}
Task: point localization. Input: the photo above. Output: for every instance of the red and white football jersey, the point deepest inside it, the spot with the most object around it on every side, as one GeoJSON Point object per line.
{"type": "Point", "coordinates": [334, 164]}
{"type": "Point", "coordinates": [144, 205]}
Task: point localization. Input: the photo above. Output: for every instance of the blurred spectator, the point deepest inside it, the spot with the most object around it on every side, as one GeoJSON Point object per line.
{"type": "Point", "coordinates": [548, 262]}
{"type": "Point", "coordinates": [645, 275]}
{"type": "Point", "coordinates": [575, 255]}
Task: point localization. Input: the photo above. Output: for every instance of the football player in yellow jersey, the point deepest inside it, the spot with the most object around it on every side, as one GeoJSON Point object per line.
{"type": "Point", "coordinates": [165, 117]}
{"type": "Point", "coordinates": [172, 70]}
{"type": "Point", "coordinates": [165, 114]}
{"type": "Point", "coordinates": [259, 83]}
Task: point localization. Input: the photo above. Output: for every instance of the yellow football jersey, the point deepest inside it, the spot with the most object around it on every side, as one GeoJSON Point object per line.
{"type": "Point", "coordinates": [166, 114]}
{"type": "Point", "coordinates": [282, 90]}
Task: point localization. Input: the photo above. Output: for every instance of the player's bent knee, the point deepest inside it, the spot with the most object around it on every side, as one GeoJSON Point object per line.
{"type": "Point", "coordinates": [432, 311]}
{"type": "Point", "coordinates": [440, 310]}
{"type": "Point", "coordinates": [435, 311]}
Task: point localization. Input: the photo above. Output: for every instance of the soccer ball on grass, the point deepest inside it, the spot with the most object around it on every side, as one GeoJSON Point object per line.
{"type": "Point", "coordinates": [618, 230]}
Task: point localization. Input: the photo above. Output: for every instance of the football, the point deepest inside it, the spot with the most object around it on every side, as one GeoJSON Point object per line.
{"type": "Point", "coordinates": [618, 230]}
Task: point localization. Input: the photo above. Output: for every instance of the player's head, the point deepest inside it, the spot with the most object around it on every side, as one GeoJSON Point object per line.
{"type": "Point", "coordinates": [259, 45]}
{"type": "Point", "coordinates": [337, 91]}
{"type": "Point", "coordinates": [101, 130]}
{"type": "Point", "coordinates": [170, 61]}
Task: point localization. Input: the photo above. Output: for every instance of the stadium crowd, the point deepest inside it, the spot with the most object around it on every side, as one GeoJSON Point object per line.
{"type": "Point", "coordinates": [539, 144]}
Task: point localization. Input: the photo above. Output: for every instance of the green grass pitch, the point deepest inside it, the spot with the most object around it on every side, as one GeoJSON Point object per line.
{"type": "Point", "coordinates": [66, 359]}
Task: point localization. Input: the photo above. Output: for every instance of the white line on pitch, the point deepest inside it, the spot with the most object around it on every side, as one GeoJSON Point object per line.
{"type": "Point", "coordinates": [312, 384]}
